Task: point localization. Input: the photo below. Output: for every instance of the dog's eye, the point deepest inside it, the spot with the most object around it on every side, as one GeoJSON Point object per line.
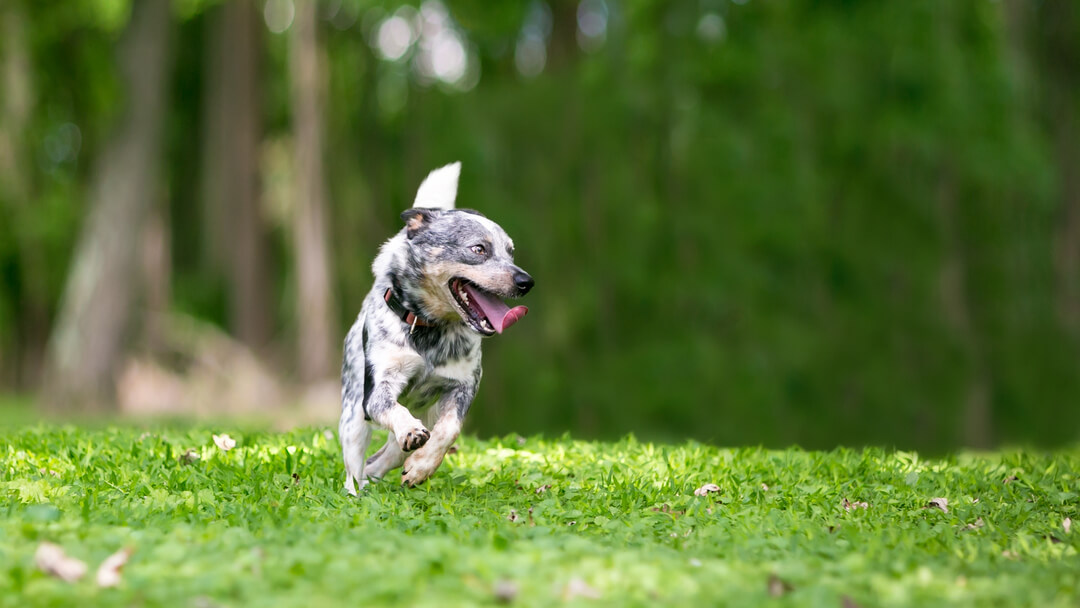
{"type": "Point", "coordinates": [478, 249]}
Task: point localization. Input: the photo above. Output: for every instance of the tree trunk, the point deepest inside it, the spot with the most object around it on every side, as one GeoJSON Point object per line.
{"type": "Point", "coordinates": [315, 303]}
{"type": "Point", "coordinates": [212, 142]}
{"type": "Point", "coordinates": [25, 340]}
{"type": "Point", "coordinates": [1057, 35]}
{"type": "Point", "coordinates": [233, 221]}
{"type": "Point", "coordinates": [977, 424]}
{"type": "Point", "coordinates": [15, 102]}
{"type": "Point", "coordinates": [96, 309]}
{"type": "Point", "coordinates": [1045, 39]}
{"type": "Point", "coordinates": [156, 270]}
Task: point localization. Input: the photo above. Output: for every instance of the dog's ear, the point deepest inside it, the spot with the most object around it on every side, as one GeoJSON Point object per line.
{"type": "Point", "coordinates": [439, 188]}
{"type": "Point", "coordinates": [417, 219]}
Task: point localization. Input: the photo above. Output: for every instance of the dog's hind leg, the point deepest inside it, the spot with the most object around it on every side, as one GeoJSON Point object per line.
{"type": "Point", "coordinates": [388, 458]}
{"type": "Point", "coordinates": [353, 431]}
{"type": "Point", "coordinates": [355, 437]}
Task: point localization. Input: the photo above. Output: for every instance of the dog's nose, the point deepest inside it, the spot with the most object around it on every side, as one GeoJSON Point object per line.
{"type": "Point", "coordinates": [523, 282]}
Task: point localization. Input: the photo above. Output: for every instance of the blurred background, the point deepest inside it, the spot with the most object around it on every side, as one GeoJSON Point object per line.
{"type": "Point", "coordinates": [804, 222]}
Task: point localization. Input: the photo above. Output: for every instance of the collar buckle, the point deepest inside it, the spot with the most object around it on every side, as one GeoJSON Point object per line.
{"type": "Point", "coordinates": [407, 316]}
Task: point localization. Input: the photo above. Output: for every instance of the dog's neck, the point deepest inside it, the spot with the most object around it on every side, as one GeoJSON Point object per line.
{"type": "Point", "coordinates": [439, 339]}
{"type": "Point", "coordinates": [393, 296]}
{"type": "Point", "coordinates": [406, 296]}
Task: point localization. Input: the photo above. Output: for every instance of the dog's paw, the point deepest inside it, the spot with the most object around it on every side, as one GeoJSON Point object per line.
{"type": "Point", "coordinates": [412, 478]}
{"type": "Point", "coordinates": [419, 467]}
{"type": "Point", "coordinates": [414, 439]}
{"type": "Point", "coordinates": [418, 474]}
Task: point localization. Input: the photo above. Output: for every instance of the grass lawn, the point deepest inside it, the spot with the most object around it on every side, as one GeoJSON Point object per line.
{"type": "Point", "coordinates": [532, 522]}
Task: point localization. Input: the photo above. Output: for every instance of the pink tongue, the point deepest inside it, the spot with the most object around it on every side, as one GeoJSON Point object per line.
{"type": "Point", "coordinates": [499, 314]}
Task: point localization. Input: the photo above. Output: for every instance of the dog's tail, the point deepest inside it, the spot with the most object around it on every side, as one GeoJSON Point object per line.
{"type": "Point", "coordinates": [439, 188]}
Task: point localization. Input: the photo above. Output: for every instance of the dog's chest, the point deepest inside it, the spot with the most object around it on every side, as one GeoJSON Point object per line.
{"type": "Point", "coordinates": [427, 387]}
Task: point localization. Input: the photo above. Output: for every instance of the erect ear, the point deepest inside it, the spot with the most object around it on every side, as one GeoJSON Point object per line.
{"type": "Point", "coordinates": [439, 188]}
{"type": "Point", "coordinates": [417, 219]}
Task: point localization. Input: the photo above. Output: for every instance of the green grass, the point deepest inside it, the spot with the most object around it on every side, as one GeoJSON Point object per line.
{"type": "Point", "coordinates": [268, 524]}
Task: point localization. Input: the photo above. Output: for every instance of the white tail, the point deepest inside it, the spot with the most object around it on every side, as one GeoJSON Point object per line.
{"type": "Point", "coordinates": [439, 188]}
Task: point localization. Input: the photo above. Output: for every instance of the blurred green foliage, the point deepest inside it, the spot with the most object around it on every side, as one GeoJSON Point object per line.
{"type": "Point", "coordinates": [750, 222]}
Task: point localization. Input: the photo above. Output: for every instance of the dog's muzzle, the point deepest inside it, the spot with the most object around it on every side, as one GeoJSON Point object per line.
{"type": "Point", "coordinates": [484, 311]}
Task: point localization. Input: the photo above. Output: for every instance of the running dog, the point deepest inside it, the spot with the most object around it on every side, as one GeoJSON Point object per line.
{"type": "Point", "coordinates": [415, 346]}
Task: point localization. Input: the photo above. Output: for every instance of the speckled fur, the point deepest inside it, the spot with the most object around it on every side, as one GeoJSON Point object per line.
{"type": "Point", "coordinates": [391, 370]}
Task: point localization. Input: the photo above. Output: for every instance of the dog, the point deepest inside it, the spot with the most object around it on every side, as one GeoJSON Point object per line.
{"type": "Point", "coordinates": [415, 346]}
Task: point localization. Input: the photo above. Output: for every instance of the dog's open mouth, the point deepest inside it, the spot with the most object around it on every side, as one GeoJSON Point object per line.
{"type": "Point", "coordinates": [484, 311]}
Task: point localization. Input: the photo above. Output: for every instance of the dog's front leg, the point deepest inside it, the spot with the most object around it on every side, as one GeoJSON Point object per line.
{"type": "Point", "coordinates": [407, 429]}
{"type": "Point", "coordinates": [422, 463]}
{"type": "Point", "coordinates": [382, 405]}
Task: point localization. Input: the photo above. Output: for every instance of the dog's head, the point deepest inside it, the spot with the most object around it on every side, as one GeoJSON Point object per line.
{"type": "Point", "coordinates": [462, 266]}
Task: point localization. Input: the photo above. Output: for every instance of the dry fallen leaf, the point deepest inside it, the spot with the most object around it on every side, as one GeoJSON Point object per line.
{"type": "Point", "coordinates": [778, 586]}
{"type": "Point", "coordinates": [938, 503]}
{"type": "Point", "coordinates": [579, 588]}
{"type": "Point", "coordinates": [1009, 479]}
{"type": "Point", "coordinates": [847, 602]}
{"type": "Point", "coordinates": [505, 591]}
{"type": "Point", "coordinates": [1066, 524]}
{"type": "Point", "coordinates": [202, 601]}
{"type": "Point", "coordinates": [666, 508]}
{"type": "Point", "coordinates": [189, 457]}
{"type": "Point", "coordinates": [848, 505]}
{"type": "Point", "coordinates": [224, 442]}
{"type": "Point", "coordinates": [707, 488]}
{"type": "Point", "coordinates": [51, 559]}
{"type": "Point", "coordinates": [1009, 554]}
{"type": "Point", "coordinates": [543, 488]}
{"type": "Point", "coordinates": [108, 573]}
{"type": "Point", "coordinates": [976, 525]}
